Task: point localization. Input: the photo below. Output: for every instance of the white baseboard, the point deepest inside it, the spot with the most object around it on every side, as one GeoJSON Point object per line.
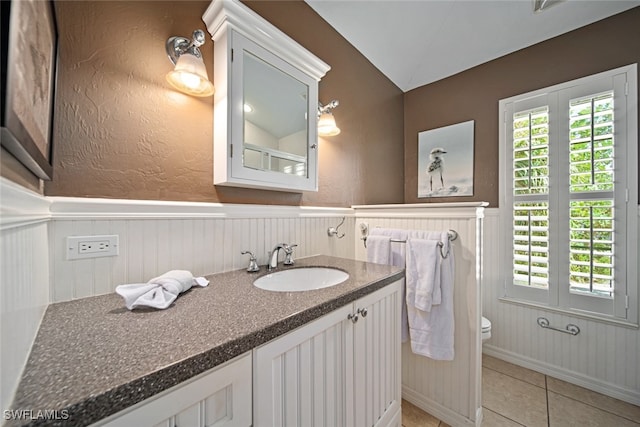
{"type": "Point", "coordinates": [608, 389]}
{"type": "Point", "coordinates": [441, 412]}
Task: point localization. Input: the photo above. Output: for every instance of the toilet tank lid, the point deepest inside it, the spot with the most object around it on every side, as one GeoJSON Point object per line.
{"type": "Point", "coordinates": [486, 324]}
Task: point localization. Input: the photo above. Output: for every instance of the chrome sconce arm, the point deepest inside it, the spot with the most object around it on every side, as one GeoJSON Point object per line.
{"type": "Point", "coordinates": [177, 46]}
{"type": "Point", "coordinates": [327, 108]}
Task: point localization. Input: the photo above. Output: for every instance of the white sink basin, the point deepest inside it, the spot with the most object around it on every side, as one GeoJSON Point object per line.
{"type": "Point", "coordinates": [301, 279]}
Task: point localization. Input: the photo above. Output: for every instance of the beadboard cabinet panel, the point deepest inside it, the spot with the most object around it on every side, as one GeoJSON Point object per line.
{"type": "Point", "coordinates": [334, 371]}
{"type": "Point", "coordinates": [376, 354]}
{"type": "Point", "coordinates": [303, 375]}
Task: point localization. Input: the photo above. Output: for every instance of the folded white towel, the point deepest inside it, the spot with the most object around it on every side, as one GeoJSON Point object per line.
{"type": "Point", "coordinates": [161, 291]}
{"type": "Point", "coordinates": [379, 249]}
{"type": "Point", "coordinates": [397, 258]}
{"type": "Point", "coordinates": [423, 273]}
{"type": "Point", "coordinates": [432, 332]}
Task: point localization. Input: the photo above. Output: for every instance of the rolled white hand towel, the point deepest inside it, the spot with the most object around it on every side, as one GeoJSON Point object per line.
{"type": "Point", "coordinates": [161, 291]}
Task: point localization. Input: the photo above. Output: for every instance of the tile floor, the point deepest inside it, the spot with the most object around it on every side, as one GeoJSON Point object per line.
{"type": "Point", "coordinates": [513, 396]}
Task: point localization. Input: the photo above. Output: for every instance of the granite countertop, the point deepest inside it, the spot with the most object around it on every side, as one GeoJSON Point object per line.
{"type": "Point", "coordinates": [92, 357]}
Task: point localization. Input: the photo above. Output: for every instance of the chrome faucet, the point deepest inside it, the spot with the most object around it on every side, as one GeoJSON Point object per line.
{"type": "Point", "coordinates": [273, 257]}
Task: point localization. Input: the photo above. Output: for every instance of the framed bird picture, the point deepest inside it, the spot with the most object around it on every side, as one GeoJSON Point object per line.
{"type": "Point", "coordinates": [445, 161]}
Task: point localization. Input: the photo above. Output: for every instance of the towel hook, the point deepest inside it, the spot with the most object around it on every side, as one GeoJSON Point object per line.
{"type": "Point", "coordinates": [451, 236]}
{"type": "Point", "coordinates": [333, 231]}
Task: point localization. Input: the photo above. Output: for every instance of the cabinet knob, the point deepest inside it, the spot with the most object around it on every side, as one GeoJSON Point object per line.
{"type": "Point", "coordinates": [353, 317]}
{"type": "Point", "coordinates": [363, 312]}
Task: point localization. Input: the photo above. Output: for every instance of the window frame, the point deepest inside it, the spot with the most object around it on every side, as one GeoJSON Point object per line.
{"type": "Point", "coordinates": [623, 307]}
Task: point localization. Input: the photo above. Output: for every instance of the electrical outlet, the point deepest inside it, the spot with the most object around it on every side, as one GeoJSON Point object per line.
{"type": "Point", "coordinates": [79, 247]}
{"type": "Point", "coordinates": [94, 246]}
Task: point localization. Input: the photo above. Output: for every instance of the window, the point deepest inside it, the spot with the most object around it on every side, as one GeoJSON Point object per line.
{"type": "Point", "coordinates": [568, 159]}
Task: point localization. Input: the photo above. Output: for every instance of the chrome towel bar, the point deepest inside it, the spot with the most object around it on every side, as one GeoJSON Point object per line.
{"type": "Point", "coordinates": [569, 329]}
{"type": "Point", "coordinates": [452, 235]}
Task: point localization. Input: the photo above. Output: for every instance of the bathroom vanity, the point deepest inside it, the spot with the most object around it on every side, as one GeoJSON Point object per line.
{"type": "Point", "coordinates": [227, 354]}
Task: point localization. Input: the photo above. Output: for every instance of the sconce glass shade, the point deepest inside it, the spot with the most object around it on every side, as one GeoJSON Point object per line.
{"type": "Point", "coordinates": [190, 76]}
{"type": "Point", "coordinates": [327, 125]}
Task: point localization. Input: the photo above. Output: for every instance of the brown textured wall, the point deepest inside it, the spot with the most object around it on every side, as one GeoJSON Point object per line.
{"type": "Point", "coordinates": [474, 94]}
{"type": "Point", "coordinates": [120, 131]}
{"type": "Point", "coordinates": [364, 164]}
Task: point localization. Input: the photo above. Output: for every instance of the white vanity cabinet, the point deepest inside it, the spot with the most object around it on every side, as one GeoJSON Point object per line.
{"type": "Point", "coordinates": [336, 370]}
{"type": "Point", "coordinates": [219, 397]}
{"type": "Point", "coordinates": [342, 369]}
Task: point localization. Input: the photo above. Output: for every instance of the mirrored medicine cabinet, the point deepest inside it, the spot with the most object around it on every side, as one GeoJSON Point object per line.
{"type": "Point", "coordinates": [265, 105]}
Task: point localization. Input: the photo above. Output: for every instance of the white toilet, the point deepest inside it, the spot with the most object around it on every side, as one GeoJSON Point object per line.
{"type": "Point", "coordinates": [486, 329]}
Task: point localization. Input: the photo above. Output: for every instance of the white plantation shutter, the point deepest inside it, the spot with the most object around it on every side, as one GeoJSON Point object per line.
{"type": "Point", "coordinates": [531, 244]}
{"type": "Point", "coordinates": [530, 214]}
{"type": "Point", "coordinates": [531, 152]}
{"type": "Point", "coordinates": [591, 247]}
{"type": "Point", "coordinates": [568, 154]}
{"type": "Point", "coordinates": [591, 142]}
{"type": "Point", "coordinates": [591, 171]}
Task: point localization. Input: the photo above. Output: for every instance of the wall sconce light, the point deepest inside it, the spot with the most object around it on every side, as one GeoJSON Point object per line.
{"type": "Point", "coordinates": [326, 121]}
{"type": "Point", "coordinates": [540, 5]}
{"type": "Point", "coordinates": [190, 74]}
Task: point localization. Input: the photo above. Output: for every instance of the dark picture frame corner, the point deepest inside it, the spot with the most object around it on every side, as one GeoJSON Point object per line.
{"type": "Point", "coordinates": [28, 68]}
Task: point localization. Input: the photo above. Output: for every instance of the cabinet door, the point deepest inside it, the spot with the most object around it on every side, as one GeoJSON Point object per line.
{"type": "Point", "coordinates": [221, 397]}
{"type": "Point", "coordinates": [304, 377]}
{"type": "Point", "coordinates": [377, 345]}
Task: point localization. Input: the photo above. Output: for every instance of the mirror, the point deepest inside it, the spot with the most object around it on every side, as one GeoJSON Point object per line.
{"type": "Point", "coordinates": [275, 118]}
{"type": "Point", "coordinates": [265, 105]}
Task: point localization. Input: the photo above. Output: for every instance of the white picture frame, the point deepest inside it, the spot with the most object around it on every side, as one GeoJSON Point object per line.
{"type": "Point", "coordinates": [445, 161]}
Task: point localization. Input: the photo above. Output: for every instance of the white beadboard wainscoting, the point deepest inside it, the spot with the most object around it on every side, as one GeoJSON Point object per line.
{"type": "Point", "coordinates": [451, 390]}
{"type": "Point", "coordinates": [154, 237]}
{"type": "Point", "coordinates": [204, 238]}
{"type": "Point", "coordinates": [24, 279]}
{"type": "Point", "coordinates": [603, 357]}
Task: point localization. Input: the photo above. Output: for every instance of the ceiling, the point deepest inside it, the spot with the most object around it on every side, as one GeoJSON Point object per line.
{"type": "Point", "coordinates": [421, 41]}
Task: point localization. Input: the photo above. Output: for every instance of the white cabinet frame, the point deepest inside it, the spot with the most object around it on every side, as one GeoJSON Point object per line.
{"type": "Point", "coordinates": [234, 26]}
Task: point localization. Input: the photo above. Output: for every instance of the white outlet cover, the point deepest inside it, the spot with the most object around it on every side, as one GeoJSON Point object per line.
{"type": "Point", "coordinates": [81, 247]}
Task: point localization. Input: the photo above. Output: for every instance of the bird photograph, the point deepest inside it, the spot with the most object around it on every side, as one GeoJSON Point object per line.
{"type": "Point", "coordinates": [445, 161]}
{"type": "Point", "coordinates": [436, 167]}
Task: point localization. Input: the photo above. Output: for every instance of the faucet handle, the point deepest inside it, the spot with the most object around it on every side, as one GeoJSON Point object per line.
{"type": "Point", "coordinates": [253, 264]}
{"type": "Point", "coordinates": [288, 251]}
